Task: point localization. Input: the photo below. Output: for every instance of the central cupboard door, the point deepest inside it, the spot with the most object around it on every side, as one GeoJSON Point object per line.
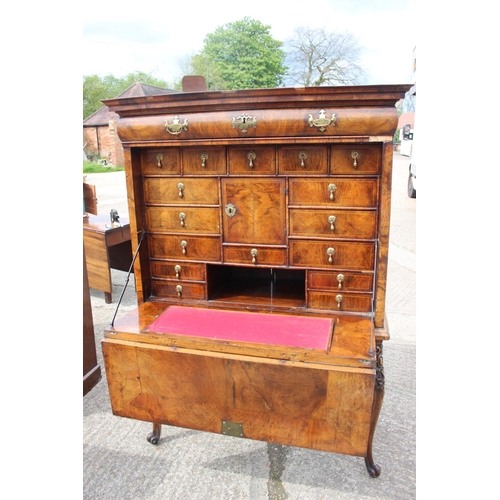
{"type": "Point", "coordinates": [254, 211]}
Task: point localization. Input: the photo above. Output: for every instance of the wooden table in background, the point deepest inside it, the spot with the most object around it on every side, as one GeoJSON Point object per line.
{"type": "Point", "coordinates": [106, 247]}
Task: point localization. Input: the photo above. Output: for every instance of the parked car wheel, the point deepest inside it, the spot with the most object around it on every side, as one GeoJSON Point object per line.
{"type": "Point", "coordinates": [412, 192]}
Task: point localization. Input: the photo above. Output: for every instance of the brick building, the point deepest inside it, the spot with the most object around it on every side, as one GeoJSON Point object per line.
{"type": "Point", "coordinates": [100, 137]}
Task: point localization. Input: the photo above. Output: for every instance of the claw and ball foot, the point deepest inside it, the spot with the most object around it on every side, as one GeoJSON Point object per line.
{"type": "Point", "coordinates": [154, 436]}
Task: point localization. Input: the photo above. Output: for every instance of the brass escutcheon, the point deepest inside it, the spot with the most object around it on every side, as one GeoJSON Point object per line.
{"type": "Point", "coordinates": [322, 122]}
{"type": "Point", "coordinates": [230, 210]}
{"type": "Point", "coordinates": [244, 121]}
{"type": "Point", "coordinates": [355, 157]}
{"type": "Point", "coordinates": [175, 128]}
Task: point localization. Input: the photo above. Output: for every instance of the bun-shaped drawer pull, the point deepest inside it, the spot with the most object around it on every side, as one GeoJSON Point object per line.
{"type": "Point", "coordinates": [339, 299]}
{"type": "Point", "coordinates": [204, 158]}
{"type": "Point", "coordinates": [177, 270]}
{"type": "Point", "coordinates": [355, 157]}
{"type": "Point", "coordinates": [332, 188]}
{"type": "Point", "coordinates": [184, 247]}
{"type": "Point", "coordinates": [182, 217]}
{"type": "Point", "coordinates": [330, 252]}
{"type": "Point", "coordinates": [254, 254]}
{"type": "Point", "coordinates": [340, 280]}
{"type": "Point", "coordinates": [331, 220]}
{"type": "Point", "coordinates": [178, 289]}
{"type": "Point", "coordinates": [302, 157]}
{"type": "Point", "coordinates": [180, 187]}
{"type": "Point", "coordinates": [251, 157]}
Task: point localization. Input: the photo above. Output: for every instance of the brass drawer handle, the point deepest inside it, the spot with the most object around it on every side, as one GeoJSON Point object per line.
{"type": "Point", "coordinates": [331, 221]}
{"type": "Point", "coordinates": [184, 247]}
{"type": "Point", "coordinates": [159, 159]}
{"type": "Point", "coordinates": [254, 254]}
{"type": "Point", "coordinates": [355, 157]}
{"type": "Point", "coordinates": [330, 251]}
{"type": "Point", "coordinates": [175, 128]}
{"type": "Point", "coordinates": [339, 299]}
{"type": "Point", "coordinates": [322, 122]}
{"type": "Point", "coordinates": [204, 158]}
{"type": "Point", "coordinates": [180, 187]}
{"type": "Point", "coordinates": [340, 279]}
{"type": "Point", "coordinates": [332, 188]}
{"type": "Point", "coordinates": [251, 157]}
{"type": "Point", "coordinates": [302, 157]}
{"type": "Point", "coordinates": [178, 288]}
{"type": "Point", "coordinates": [177, 269]}
{"type": "Point", "coordinates": [182, 217]}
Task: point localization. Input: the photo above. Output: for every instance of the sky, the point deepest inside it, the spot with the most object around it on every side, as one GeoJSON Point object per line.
{"type": "Point", "coordinates": [154, 36]}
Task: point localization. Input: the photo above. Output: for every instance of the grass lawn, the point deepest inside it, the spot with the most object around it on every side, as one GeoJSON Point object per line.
{"type": "Point", "coordinates": [90, 167]}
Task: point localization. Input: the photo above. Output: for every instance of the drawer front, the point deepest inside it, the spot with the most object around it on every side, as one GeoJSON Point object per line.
{"type": "Point", "coordinates": [183, 219]}
{"type": "Point", "coordinates": [333, 223]}
{"type": "Point", "coordinates": [356, 159]}
{"type": "Point", "coordinates": [298, 160]}
{"type": "Point", "coordinates": [161, 161]}
{"type": "Point", "coordinates": [255, 255]}
{"type": "Point", "coordinates": [178, 290]}
{"type": "Point", "coordinates": [340, 281]}
{"type": "Point", "coordinates": [203, 248]}
{"type": "Point", "coordinates": [181, 271]}
{"type": "Point", "coordinates": [179, 190]}
{"type": "Point", "coordinates": [332, 254]}
{"type": "Point", "coordinates": [252, 160]}
{"type": "Point", "coordinates": [340, 301]}
{"type": "Point", "coordinates": [334, 192]}
{"type": "Point", "coordinates": [204, 161]}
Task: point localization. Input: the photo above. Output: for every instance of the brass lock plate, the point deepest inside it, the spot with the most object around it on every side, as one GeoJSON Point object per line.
{"type": "Point", "coordinates": [230, 210]}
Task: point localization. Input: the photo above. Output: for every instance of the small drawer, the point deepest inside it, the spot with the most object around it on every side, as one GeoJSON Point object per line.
{"type": "Point", "coordinates": [254, 255]}
{"type": "Point", "coordinates": [183, 247]}
{"type": "Point", "coordinates": [340, 301]}
{"type": "Point", "coordinates": [334, 192]}
{"type": "Point", "coordinates": [178, 290]}
{"type": "Point", "coordinates": [298, 160]}
{"type": "Point", "coordinates": [252, 160]}
{"type": "Point", "coordinates": [333, 223]}
{"type": "Point", "coordinates": [351, 256]}
{"type": "Point", "coordinates": [161, 161]}
{"type": "Point", "coordinates": [356, 159]}
{"type": "Point", "coordinates": [198, 220]}
{"type": "Point", "coordinates": [204, 161]}
{"type": "Point", "coordinates": [181, 191]}
{"type": "Point", "coordinates": [181, 271]}
{"type": "Point", "coordinates": [339, 281]}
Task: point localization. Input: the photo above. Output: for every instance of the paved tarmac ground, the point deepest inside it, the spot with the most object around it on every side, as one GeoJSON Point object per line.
{"type": "Point", "coordinates": [119, 463]}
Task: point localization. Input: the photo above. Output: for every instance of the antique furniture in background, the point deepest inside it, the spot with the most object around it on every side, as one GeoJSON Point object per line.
{"type": "Point", "coordinates": [106, 248]}
{"type": "Point", "coordinates": [261, 277]}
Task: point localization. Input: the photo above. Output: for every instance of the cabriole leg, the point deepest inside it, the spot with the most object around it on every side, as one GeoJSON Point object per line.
{"type": "Point", "coordinates": [371, 466]}
{"type": "Point", "coordinates": [154, 437]}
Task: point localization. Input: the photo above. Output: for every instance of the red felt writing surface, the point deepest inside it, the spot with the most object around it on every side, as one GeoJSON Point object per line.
{"type": "Point", "coordinates": [273, 329]}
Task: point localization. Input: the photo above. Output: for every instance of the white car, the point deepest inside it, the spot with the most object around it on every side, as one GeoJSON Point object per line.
{"type": "Point", "coordinates": [412, 181]}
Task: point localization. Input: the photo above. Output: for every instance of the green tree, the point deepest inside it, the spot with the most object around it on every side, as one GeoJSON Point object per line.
{"type": "Point", "coordinates": [241, 55]}
{"type": "Point", "coordinates": [96, 88]}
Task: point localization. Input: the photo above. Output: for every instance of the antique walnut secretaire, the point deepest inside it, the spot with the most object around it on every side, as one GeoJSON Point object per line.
{"type": "Point", "coordinates": [260, 220]}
